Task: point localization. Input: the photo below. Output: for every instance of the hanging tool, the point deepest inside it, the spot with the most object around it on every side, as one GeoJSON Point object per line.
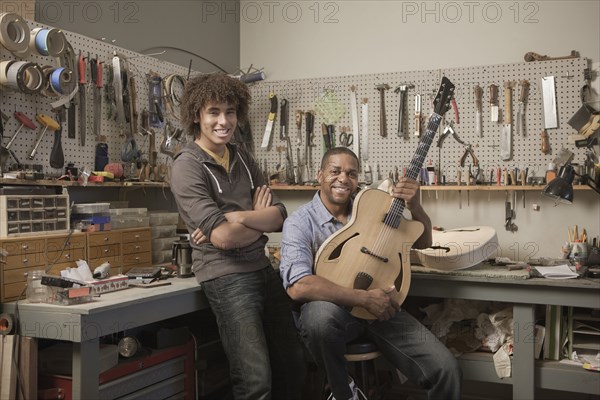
{"type": "Point", "coordinates": [329, 109]}
{"type": "Point", "coordinates": [549, 102]}
{"type": "Point", "coordinates": [455, 109]}
{"type": "Point", "coordinates": [96, 73]}
{"type": "Point", "coordinates": [309, 126]}
{"type": "Point", "coordinates": [364, 147]}
{"type": "Point", "coordinates": [531, 56]}
{"type": "Point", "coordinates": [299, 115]}
{"type": "Point", "coordinates": [25, 122]}
{"type": "Point", "coordinates": [509, 225]}
{"type": "Point", "coordinates": [401, 91]}
{"type": "Point", "coordinates": [523, 91]}
{"type": "Point", "coordinates": [48, 123]}
{"type": "Point", "coordinates": [355, 126]}
{"type": "Point", "coordinates": [382, 120]}
{"type": "Point", "coordinates": [346, 139]}
{"type": "Point", "coordinates": [493, 102]}
{"type": "Point", "coordinates": [545, 142]}
{"type": "Point", "coordinates": [283, 119]}
{"type": "Point", "coordinates": [271, 119]}
{"type": "Point", "coordinates": [82, 101]}
{"type": "Point", "coordinates": [156, 117]}
{"type": "Point", "coordinates": [478, 91]}
{"type": "Point", "coordinates": [418, 115]}
{"type": "Point", "coordinates": [328, 136]}
{"type": "Point", "coordinates": [506, 135]}
{"type": "Point", "coordinates": [57, 157]}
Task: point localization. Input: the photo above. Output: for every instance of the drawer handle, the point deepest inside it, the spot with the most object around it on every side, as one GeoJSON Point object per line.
{"type": "Point", "coordinates": [106, 238]}
{"type": "Point", "coordinates": [25, 260]}
{"type": "Point", "coordinates": [137, 247]}
{"type": "Point", "coordinates": [25, 247]}
{"type": "Point", "coordinates": [137, 236]}
{"type": "Point", "coordinates": [106, 251]}
{"type": "Point", "coordinates": [137, 259]}
{"type": "Point", "coordinates": [67, 256]}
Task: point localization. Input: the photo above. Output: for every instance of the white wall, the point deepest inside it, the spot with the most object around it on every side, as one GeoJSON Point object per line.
{"type": "Point", "coordinates": [294, 40]}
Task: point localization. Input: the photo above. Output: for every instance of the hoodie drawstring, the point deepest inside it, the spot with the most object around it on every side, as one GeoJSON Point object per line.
{"type": "Point", "coordinates": [247, 170]}
{"type": "Point", "coordinates": [214, 177]}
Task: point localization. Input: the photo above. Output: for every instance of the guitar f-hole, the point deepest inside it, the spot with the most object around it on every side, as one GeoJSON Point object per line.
{"type": "Point", "coordinates": [338, 250]}
{"type": "Point", "coordinates": [398, 281]}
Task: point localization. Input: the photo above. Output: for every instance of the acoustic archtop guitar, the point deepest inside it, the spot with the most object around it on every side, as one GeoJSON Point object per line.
{"type": "Point", "coordinates": [373, 250]}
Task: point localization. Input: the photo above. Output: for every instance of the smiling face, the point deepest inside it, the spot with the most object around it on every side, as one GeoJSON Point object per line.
{"type": "Point", "coordinates": [217, 125]}
{"type": "Point", "coordinates": [339, 179]}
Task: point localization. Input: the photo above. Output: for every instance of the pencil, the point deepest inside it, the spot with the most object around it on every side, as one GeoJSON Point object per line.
{"type": "Point", "coordinates": [569, 233]}
{"type": "Point", "coordinates": [575, 235]}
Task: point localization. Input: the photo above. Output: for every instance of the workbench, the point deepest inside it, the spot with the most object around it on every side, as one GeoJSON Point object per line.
{"type": "Point", "coordinates": [525, 294]}
{"type": "Point", "coordinates": [114, 312]}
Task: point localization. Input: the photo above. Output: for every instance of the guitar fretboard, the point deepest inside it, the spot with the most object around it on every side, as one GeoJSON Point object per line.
{"type": "Point", "coordinates": [396, 210]}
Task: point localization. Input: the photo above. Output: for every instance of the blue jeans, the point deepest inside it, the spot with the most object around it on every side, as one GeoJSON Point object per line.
{"type": "Point", "coordinates": [404, 341]}
{"type": "Point", "coordinates": [255, 322]}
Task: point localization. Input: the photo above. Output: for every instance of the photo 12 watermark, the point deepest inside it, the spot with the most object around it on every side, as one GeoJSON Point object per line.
{"type": "Point", "coordinates": [325, 12]}
{"type": "Point", "coordinates": [526, 12]}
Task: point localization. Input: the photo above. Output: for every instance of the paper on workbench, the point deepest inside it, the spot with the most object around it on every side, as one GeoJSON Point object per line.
{"type": "Point", "coordinates": [557, 272]}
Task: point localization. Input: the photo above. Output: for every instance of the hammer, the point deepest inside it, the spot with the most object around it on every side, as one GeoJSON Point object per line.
{"type": "Point", "coordinates": [401, 90]}
{"type": "Point", "coordinates": [382, 88]}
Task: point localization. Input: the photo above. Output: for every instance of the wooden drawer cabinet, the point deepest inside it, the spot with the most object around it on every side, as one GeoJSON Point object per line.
{"type": "Point", "coordinates": [124, 249]}
{"type": "Point", "coordinates": [20, 256]}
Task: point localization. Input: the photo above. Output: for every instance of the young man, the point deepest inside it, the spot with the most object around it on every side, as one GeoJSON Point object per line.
{"type": "Point", "coordinates": [324, 321]}
{"type": "Point", "coordinates": [222, 199]}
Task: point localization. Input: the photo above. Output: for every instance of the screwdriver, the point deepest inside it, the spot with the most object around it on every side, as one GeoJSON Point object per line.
{"type": "Point", "coordinates": [25, 122]}
{"type": "Point", "coordinates": [47, 123]}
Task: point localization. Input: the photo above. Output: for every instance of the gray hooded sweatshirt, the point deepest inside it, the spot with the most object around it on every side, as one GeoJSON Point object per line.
{"type": "Point", "coordinates": [204, 192]}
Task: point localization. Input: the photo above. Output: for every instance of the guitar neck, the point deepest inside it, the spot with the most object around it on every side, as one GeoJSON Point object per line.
{"type": "Point", "coordinates": [394, 215]}
{"type": "Point", "coordinates": [423, 147]}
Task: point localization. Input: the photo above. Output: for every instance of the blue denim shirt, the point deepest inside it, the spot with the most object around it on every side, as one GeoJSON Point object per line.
{"type": "Point", "coordinates": [303, 233]}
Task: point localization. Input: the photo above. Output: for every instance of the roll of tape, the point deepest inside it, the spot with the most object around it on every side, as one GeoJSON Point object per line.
{"type": "Point", "coordinates": [49, 42]}
{"type": "Point", "coordinates": [6, 324]}
{"type": "Point", "coordinates": [48, 90]}
{"type": "Point", "coordinates": [4, 70]}
{"type": "Point", "coordinates": [26, 77]}
{"type": "Point", "coordinates": [14, 32]}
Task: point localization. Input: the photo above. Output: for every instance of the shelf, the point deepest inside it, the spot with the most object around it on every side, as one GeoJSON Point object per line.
{"type": "Point", "coordinates": [52, 182]}
{"type": "Point", "coordinates": [474, 188]}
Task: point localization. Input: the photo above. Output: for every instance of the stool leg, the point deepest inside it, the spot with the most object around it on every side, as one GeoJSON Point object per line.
{"type": "Point", "coordinates": [365, 377]}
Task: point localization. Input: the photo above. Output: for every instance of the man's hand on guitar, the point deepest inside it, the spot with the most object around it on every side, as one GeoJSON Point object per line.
{"type": "Point", "coordinates": [408, 190]}
{"type": "Point", "coordinates": [381, 304]}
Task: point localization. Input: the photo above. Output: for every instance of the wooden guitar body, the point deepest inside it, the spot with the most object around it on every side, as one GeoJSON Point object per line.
{"type": "Point", "coordinates": [367, 253]}
{"type": "Point", "coordinates": [458, 248]}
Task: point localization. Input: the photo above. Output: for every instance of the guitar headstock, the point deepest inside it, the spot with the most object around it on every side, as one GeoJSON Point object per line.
{"type": "Point", "coordinates": [442, 99]}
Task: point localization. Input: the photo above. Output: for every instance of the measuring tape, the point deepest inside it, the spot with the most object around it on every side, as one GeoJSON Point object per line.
{"type": "Point", "coordinates": [6, 324]}
{"type": "Point", "coordinates": [14, 32]}
{"type": "Point", "coordinates": [23, 76]}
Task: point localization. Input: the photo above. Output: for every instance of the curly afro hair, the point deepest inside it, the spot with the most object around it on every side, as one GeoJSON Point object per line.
{"type": "Point", "coordinates": [216, 87]}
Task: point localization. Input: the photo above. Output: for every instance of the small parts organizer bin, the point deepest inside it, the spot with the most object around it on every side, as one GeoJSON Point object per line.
{"type": "Point", "coordinates": [22, 215]}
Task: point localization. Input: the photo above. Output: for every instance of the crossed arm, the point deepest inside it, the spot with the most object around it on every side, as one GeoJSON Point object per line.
{"type": "Point", "coordinates": [244, 227]}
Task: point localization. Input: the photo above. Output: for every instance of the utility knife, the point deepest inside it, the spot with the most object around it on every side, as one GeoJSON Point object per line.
{"type": "Point", "coordinates": [270, 121]}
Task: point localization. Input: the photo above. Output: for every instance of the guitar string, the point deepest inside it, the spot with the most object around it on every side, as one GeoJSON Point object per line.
{"type": "Point", "coordinates": [397, 207]}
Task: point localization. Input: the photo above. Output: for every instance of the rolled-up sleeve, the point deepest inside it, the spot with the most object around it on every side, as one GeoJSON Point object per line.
{"type": "Point", "coordinates": [296, 252]}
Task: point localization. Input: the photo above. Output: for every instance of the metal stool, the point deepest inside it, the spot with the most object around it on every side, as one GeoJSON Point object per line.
{"type": "Point", "coordinates": [362, 351]}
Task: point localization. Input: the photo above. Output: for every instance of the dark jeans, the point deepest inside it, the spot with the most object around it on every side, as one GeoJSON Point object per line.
{"type": "Point", "coordinates": [258, 334]}
{"type": "Point", "coordinates": [408, 345]}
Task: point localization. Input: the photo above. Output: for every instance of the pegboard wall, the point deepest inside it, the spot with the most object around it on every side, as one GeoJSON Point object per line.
{"type": "Point", "coordinates": [387, 153]}
{"type": "Point", "coordinates": [32, 104]}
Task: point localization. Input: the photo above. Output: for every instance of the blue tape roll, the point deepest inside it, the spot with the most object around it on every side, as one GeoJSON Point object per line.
{"type": "Point", "coordinates": [41, 41]}
{"type": "Point", "coordinates": [56, 81]}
